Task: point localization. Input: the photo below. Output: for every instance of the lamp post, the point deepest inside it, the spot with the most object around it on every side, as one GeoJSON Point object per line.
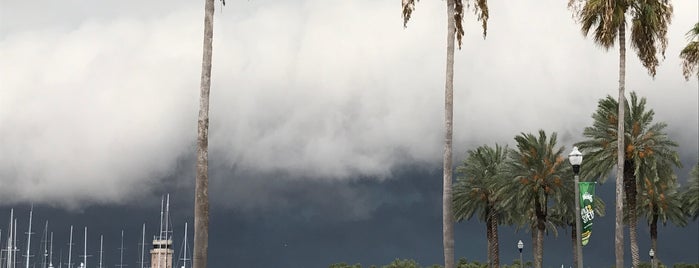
{"type": "Point", "coordinates": [575, 158]}
{"type": "Point", "coordinates": [651, 253]}
{"type": "Point", "coordinates": [520, 246]}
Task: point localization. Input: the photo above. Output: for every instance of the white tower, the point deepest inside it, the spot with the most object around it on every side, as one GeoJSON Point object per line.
{"type": "Point", "coordinates": [161, 253]}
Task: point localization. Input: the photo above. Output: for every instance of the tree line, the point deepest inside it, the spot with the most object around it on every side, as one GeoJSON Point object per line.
{"type": "Point", "coordinates": [530, 186]}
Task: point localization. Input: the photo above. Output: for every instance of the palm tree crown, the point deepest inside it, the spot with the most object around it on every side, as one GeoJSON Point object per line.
{"type": "Point", "coordinates": [649, 20]}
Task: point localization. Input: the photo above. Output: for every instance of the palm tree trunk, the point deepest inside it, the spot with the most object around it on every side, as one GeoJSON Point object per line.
{"type": "Point", "coordinates": [447, 214]}
{"type": "Point", "coordinates": [654, 234]}
{"type": "Point", "coordinates": [540, 228]}
{"type": "Point", "coordinates": [201, 199]}
{"type": "Point", "coordinates": [630, 190]}
{"type": "Point", "coordinates": [619, 221]}
{"type": "Point", "coordinates": [494, 244]}
{"type": "Point", "coordinates": [535, 242]}
{"type": "Point", "coordinates": [489, 234]}
{"type": "Point", "coordinates": [574, 238]}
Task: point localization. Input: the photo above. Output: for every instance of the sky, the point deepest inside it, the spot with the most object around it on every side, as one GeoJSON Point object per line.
{"type": "Point", "coordinates": [326, 118]}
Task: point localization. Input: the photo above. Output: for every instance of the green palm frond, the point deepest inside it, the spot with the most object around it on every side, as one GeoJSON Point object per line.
{"type": "Point", "coordinates": [536, 173]}
{"type": "Point", "coordinates": [690, 196]}
{"type": "Point", "coordinates": [690, 54]}
{"type": "Point", "coordinates": [478, 179]}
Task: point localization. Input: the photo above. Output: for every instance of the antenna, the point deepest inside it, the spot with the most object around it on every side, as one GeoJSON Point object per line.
{"type": "Point", "coordinates": [167, 218]}
{"type": "Point", "coordinates": [143, 243]}
{"type": "Point", "coordinates": [29, 235]}
{"type": "Point", "coordinates": [185, 259]}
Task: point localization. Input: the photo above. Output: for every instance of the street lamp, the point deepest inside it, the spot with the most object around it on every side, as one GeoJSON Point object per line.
{"type": "Point", "coordinates": [575, 157]}
{"type": "Point", "coordinates": [651, 253]}
{"type": "Point", "coordinates": [520, 246]}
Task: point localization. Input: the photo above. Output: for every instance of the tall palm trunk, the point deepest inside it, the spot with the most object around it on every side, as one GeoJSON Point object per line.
{"type": "Point", "coordinates": [654, 233]}
{"type": "Point", "coordinates": [201, 199]}
{"type": "Point", "coordinates": [489, 234]}
{"type": "Point", "coordinates": [619, 222]}
{"type": "Point", "coordinates": [447, 213]}
{"type": "Point", "coordinates": [630, 190]}
{"type": "Point", "coordinates": [540, 229]}
{"type": "Point", "coordinates": [535, 243]}
{"type": "Point", "coordinates": [574, 238]}
{"type": "Point", "coordinates": [494, 245]}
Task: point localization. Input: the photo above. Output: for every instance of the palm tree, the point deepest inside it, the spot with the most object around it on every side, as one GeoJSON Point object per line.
{"type": "Point", "coordinates": [659, 200]}
{"type": "Point", "coordinates": [690, 54]}
{"type": "Point", "coordinates": [537, 173]}
{"type": "Point", "coordinates": [201, 195]}
{"type": "Point", "coordinates": [690, 196]}
{"type": "Point", "coordinates": [649, 23]}
{"type": "Point", "coordinates": [474, 192]}
{"type": "Point", "coordinates": [455, 31]}
{"type": "Point", "coordinates": [645, 143]}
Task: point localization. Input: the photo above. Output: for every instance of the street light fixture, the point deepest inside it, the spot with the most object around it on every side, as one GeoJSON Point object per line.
{"type": "Point", "coordinates": [520, 246]}
{"type": "Point", "coordinates": [651, 253]}
{"type": "Point", "coordinates": [575, 157]}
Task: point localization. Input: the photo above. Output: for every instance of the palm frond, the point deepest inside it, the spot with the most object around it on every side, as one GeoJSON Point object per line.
{"type": "Point", "coordinates": [649, 23]}
{"type": "Point", "coordinates": [408, 6]}
{"type": "Point", "coordinates": [690, 59]}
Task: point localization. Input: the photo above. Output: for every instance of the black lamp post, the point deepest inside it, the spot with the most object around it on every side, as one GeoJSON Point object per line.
{"type": "Point", "coordinates": [575, 157]}
{"type": "Point", "coordinates": [520, 246]}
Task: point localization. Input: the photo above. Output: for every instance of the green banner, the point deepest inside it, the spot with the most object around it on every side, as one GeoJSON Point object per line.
{"type": "Point", "coordinates": [587, 214]}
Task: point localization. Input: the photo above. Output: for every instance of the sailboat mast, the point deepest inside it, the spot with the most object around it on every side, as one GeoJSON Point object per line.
{"type": "Point", "coordinates": [101, 251]}
{"type": "Point", "coordinates": [9, 239]}
{"type": "Point", "coordinates": [184, 259]}
{"type": "Point", "coordinates": [51, 252]}
{"type": "Point", "coordinates": [70, 248]}
{"type": "Point", "coordinates": [29, 235]}
{"type": "Point", "coordinates": [121, 251]}
{"type": "Point", "coordinates": [84, 248]}
{"type": "Point", "coordinates": [143, 243]}
{"type": "Point", "coordinates": [14, 246]}
{"type": "Point", "coordinates": [46, 230]}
